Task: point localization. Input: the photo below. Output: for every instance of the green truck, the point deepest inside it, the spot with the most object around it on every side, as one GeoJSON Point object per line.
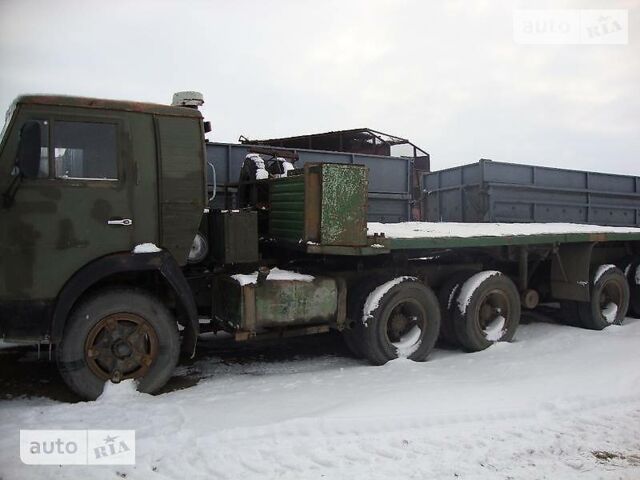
{"type": "Point", "coordinates": [111, 252]}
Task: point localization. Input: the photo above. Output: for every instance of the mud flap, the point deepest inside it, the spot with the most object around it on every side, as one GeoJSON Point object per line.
{"type": "Point", "coordinates": [570, 272]}
{"type": "Point", "coordinates": [173, 274]}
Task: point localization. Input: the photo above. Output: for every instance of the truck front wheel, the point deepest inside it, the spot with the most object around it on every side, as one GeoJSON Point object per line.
{"type": "Point", "coordinates": [118, 334]}
{"type": "Point", "coordinates": [401, 319]}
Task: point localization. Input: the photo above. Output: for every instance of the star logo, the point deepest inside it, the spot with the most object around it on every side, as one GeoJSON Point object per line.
{"type": "Point", "coordinates": [109, 439]}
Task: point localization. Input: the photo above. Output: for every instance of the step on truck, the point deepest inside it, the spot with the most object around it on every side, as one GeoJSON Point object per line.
{"type": "Point", "coordinates": [112, 254]}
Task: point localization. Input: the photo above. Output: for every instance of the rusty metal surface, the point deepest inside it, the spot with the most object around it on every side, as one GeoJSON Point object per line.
{"type": "Point", "coordinates": [100, 103]}
{"type": "Point", "coordinates": [276, 303]}
{"type": "Point", "coordinates": [327, 205]}
{"type": "Point", "coordinates": [313, 204]}
{"type": "Point", "coordinates": [291, 302]}
{"type": "Point", "coordinates": [356, 140]}
{"type": "Point", "coordinates": [366, 251]}
{"type": "Point", "coordinates": [343, 219]}
{"type": "Point", "coordinates": [121, 346]}
{"type": "Point", "coordinates": [243, 336]}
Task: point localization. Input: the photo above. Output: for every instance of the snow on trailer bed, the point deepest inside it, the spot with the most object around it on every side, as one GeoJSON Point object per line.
{"type": "Point", "coordinates": [411, 235]}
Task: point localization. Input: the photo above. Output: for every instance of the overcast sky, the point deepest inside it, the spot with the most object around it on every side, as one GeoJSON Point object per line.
{"type": "Point", "coordinates": [446, 74]}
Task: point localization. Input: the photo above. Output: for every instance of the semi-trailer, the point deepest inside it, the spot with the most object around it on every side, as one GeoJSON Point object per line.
{"type": "Point", "coordinates": [114, 252]}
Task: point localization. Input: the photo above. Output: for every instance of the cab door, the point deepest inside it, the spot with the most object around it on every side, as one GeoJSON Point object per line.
{"type": "Point", "coordinates": [78, 209]}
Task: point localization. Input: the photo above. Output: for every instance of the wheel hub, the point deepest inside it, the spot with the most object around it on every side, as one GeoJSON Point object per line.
{"type": "Point", "coordinates": [121, 346]}
{"type": "Point", "coordinates": [398, 327]}
{"type": "Point", "coordinates": [121, 349]}
{"type": "Point", "coordinates": [405, 327]}
{"type": "Point", "coordinates": [610, 300]}
{"type": "Point", "coordinates": [487, 313]}
{"type": "Point", "coordinates": [494, 314]}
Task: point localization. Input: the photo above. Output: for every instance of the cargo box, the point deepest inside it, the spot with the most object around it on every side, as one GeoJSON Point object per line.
{"type": "Point", "coordinates": [325, 205]}
{"type": "Point", "coordinates": [490, 191]}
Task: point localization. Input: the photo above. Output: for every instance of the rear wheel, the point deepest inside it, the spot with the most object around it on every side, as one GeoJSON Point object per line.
{"type": "Point", "coordinates": [487, 310]}
{"type": "Point", "coordinates": [446, 299]}
{"type": "Point", "coordinates": [632, 272]}
{"type": "Point", "coordinates": [401, 319]}
{"type": "Point", "coordinates": [353, 335]}
{"type": "Point", "coordinates": [569, 313]}
{"type": "Point", "coordinates": [116, 335]}
{"type": "Point", "coordinates": [609, 299]}
{"type": "Point", "coordinates": [353, 340]}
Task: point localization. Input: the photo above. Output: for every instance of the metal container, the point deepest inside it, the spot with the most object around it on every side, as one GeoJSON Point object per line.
{"type": "Point", "coordinates": [389, 190]}
{"type": "Point", "coordinates": [279, 303]}
{"type": "Point", "coordinates": [490, 191]}
{"type": "Point", "coordinates": [325, 205]}
{"type": "Point", "coordinates": [234, 235]}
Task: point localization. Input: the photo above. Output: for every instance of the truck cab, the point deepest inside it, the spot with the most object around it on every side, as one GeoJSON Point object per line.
{"type": "Point", "coordinates": [90, 188]}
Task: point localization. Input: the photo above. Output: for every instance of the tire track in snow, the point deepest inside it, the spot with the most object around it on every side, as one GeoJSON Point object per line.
{"type": "Point", "coordinates": [343, 426]}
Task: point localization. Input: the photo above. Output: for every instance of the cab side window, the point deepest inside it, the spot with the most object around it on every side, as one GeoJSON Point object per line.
{"type": "Point", "coordinates": [85, 150]}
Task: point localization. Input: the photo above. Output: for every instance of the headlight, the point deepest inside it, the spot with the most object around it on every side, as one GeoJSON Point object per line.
{"type": "Point", "coordinates": [199, 249]}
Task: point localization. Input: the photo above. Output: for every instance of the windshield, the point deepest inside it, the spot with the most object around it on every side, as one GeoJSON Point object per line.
{"type": "Point", "coordinates": [7, 120]}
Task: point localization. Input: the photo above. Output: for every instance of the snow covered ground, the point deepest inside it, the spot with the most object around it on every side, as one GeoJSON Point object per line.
{"type": "Point", "coordinates": [557, 403]}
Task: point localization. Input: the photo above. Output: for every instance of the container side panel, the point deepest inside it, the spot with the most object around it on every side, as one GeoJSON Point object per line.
{"type": "Point", "coordinates": [286, 218]}
{"type": "Point", "coordinates": [387, 175]}
{"type": "Point", "coordinates": [607, 183]}
{"type": "Point", "coordinates": [508, 173]}
{"type": "Point", "coordinates": [344, 205]}
{"type": "Point", "coordinates": [553, 177]}
{"type": "Point", "coordinates": [289, 302]}
{"type": "Point", "coordinates": [525, 193]}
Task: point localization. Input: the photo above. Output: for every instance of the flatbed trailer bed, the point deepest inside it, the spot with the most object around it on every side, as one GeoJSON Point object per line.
{"type": "Point", "coordinates": [426, 235]}
{"type": "Point", "coordinates": [384, 238]}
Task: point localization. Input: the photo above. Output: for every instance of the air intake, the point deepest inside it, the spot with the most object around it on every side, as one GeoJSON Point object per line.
{"type": "Point", "coordinates": [187, 99]}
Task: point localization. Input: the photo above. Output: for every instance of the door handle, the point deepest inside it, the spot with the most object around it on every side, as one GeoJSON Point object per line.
{"type": "Point", "coordinates": [120, 221]}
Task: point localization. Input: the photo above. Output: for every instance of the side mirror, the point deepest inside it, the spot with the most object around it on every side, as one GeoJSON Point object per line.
{"type": "Point", "coordinates": [29, 150]}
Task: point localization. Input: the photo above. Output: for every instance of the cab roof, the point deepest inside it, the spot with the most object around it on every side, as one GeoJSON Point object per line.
{"type": "Point", "coordinates": [104, 104]}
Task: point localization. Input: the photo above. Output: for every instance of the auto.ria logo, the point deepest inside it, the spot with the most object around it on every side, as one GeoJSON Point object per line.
{"type": "Point", "coordinates": [78, 447]}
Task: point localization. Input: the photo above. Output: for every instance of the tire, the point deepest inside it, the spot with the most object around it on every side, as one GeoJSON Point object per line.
{"type": "Point", "coordinates": [569, 314]}
{"type": "Point", "coordinates": [609, 299]}
{"type": "Point", "coordinates": [479, 311]}
{"type": "Point", "coordinates": [446, 297]}
{"type": "Point", "coordinates": [633, 278]}
{"type": "Point", "coordinates": [353, 335]}
{"type": "Point", "coordinates": [405, 322]}
{"type": "Point", "coordinates": [118, 334]}
{"type": "Point", "coordinates": [352, 339]}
